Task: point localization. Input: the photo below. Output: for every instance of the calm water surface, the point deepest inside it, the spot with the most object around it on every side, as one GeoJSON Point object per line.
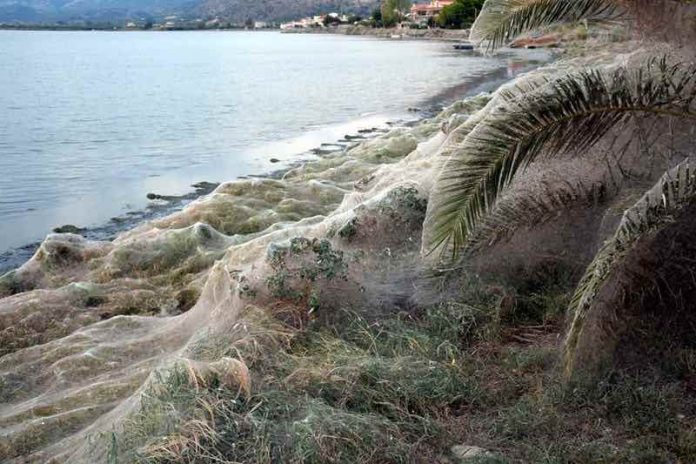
{"type": "Point", "coordinates": [90, 122]}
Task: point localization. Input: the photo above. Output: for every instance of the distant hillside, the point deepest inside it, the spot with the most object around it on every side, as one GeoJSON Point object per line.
{"type": "Point", "coordinates": [47, 11]}
{"type": "Point", "coordinates": [240, 10]}
{"type": "Point", "coordinates": [95, 10]}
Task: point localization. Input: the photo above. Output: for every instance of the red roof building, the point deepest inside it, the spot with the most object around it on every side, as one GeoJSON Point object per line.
{"type": "Point", "coordinates": [424, 11]}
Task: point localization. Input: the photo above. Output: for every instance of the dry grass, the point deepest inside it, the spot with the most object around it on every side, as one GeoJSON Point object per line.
{"type": "Point", "coordinates": [407, 387]}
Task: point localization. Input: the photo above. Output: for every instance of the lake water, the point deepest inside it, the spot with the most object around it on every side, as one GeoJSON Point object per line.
{"type": "Point", "coordinates": [90, 122]}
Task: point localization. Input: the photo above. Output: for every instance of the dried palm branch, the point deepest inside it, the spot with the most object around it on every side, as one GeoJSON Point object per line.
{"type": "Point", "coordinates": [566, 114]}
{"type": "Point", "coordinates": [659, 207]}
{"type": "Point", "coordinates": [501, 21]}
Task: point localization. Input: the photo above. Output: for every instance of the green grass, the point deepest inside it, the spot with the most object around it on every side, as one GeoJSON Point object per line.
{"type": "Point", "coordinates": [622, 419]}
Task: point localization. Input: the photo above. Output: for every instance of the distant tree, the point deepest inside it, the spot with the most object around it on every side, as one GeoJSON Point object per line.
{"type": "Point", "coordinates": [249, 23]}
{"type": "Point", "coordinates": [376, 17]}
{"type": "Point", "coordinates": [148, 25]}
{"type": "Point", "coordinates": [329, 20]}
{"type": "Point", "coordinates": [394, 11]}
{"type": "Point", "coordinates": [460, 14]}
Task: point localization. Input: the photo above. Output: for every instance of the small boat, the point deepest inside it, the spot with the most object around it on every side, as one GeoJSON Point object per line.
{"type": "Point", "coordinates": [464, 46]}
{"type": "Point", "coordinates": [397, 36]}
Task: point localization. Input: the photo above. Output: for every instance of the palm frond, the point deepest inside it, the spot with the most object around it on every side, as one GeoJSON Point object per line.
{"type": "Point", "coordinates": [501, 21]}
{"type": "Point", "coordinates": [535, 207]}
{"type": "Point", "coordinates": [659, 207]}
{"type": "Point", "coordinates": [570, 113]}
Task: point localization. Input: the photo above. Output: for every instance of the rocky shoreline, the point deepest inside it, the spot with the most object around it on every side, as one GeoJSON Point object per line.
{"type": "Point", "coordinates": [448, 35]}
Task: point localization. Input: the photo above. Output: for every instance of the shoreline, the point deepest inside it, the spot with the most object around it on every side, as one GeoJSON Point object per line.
{"type": "Point", "coordinates": [436, 34]}
{"type": "Point", "coordinates": [306, 317]}
{"type": "Point", "coordinates": [256, 258]}
{"type": "Point", "coordinates": [445, 35]}
{"type": "Point", "coordinates": [153, 295]}
{"type": "Point", "coordinates": [163, 204]}
{"type": "Point", "coordinates": [35, 28]}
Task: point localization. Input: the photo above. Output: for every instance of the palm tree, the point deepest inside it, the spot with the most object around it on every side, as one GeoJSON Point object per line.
{"type": "Point", "coordinates": [541, 118]}
{"type": "Point", "coordinates": [570, 113]}
{"type": "Point", "coordinates": [501, 21]}
{"type": "Point", "coordinates": [669, 204]}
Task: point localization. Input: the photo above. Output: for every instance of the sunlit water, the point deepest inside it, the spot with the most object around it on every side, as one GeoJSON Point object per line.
{"type": "Point", "coordinates": [90, 122]}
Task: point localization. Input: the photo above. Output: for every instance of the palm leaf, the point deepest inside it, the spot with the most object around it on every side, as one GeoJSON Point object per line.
{"type": "Point", "coordinates": [570, 113]}
{"type": "Point", "coordinates": [659, 207]}
{"type": "Point", "coordinates": [501, 21]}
{"type": "Point", "coordinates": [535, 207]}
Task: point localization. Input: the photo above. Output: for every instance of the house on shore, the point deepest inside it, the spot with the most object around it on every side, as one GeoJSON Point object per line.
{"type": "Point", "coordinates": [424, 12]}
{"type": "Point", "coordinates": [305, 23]}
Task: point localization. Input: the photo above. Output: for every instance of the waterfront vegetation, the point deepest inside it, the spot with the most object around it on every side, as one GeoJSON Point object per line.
{"type": "Point", "coordinates": [545, 316]}
{"type": "Point", "coordinates": [460, 15]}
{"type": "Point", "coordinates": [571, 114]}
{"type": "Point", "coordinates": [389, 13]}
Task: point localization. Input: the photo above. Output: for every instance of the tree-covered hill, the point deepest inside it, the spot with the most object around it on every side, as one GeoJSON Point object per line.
{"type": "Point", "coordinates": [47, 11]}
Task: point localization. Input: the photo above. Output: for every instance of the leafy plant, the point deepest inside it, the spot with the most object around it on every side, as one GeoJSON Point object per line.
{"type": "Point", "coordinates": [316, 261]}
{"type": "Point", "coordinates": [568, 114]}
{"type": "Point", "coordinates": [501, 21]}
{"type": "Point", "coordinates": [660, 206]}
{"type": "Point", "coordinates": [459, 14]}
{"type": "Point", "coordinates": [393, 11]}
